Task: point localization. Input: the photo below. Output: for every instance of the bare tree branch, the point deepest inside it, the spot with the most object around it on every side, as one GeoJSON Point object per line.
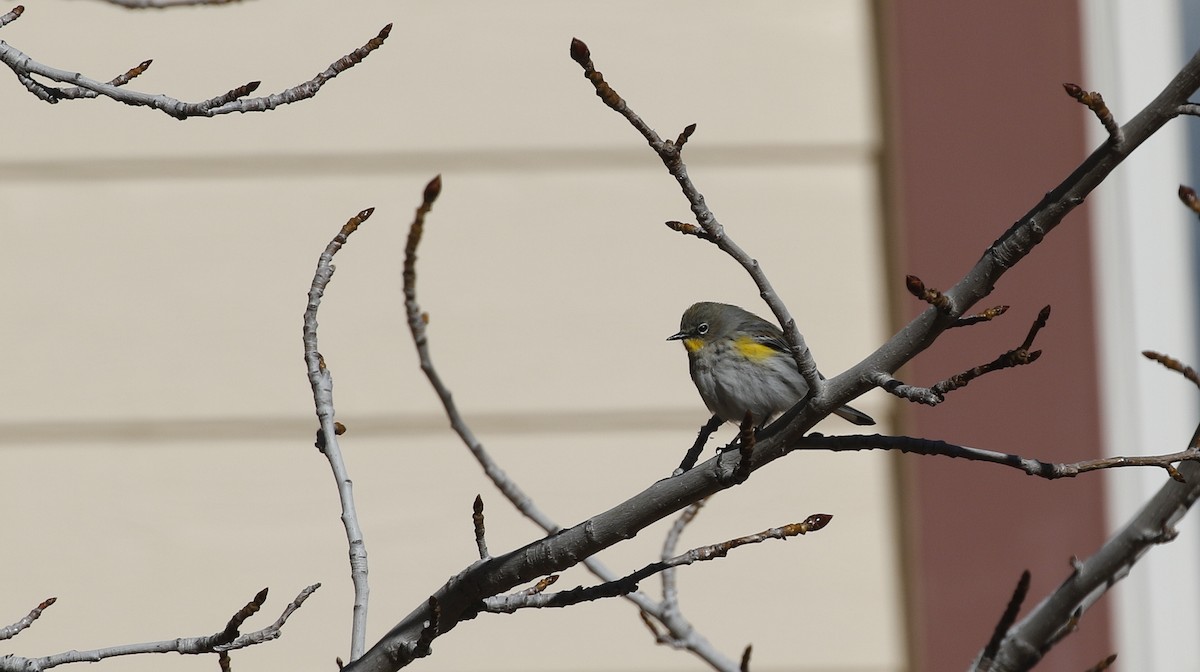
{"type": "Point", "coordinates": [629, 582]}
{"type": "Point", "coordinates": [459, 597]}
{"type": "Point", "coordinates": [8, 632]}
{"type": "Point", "coordinates": [935, 395]}
{"type": "Point", "coordinates": [689, 459]}
{"type": "Point", "coordinates": [23, 66]}
{"type": "Point", "coordinates": [165, 4]}
{"type": "Point", "coordinates": [671, 155]}
{"type": "Point", "coordinates": [218, 643]}
{"type": "Point", "coordinates": [1031, 466]}
{"type": "Point", "coordinates": [1059, 613]}
{"type": "Point", "coordinates": [1006, 621]}
{"type": "Point", "coordinates": [418, 320]}
{"type": "Point", "coordinates": [322, 386]}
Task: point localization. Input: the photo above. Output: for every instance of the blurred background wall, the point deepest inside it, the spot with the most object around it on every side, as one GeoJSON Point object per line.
{"type": "Point", "coordinates": [156, 443]}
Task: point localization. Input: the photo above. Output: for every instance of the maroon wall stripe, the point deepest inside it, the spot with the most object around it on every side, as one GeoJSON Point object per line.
{"type": "Point", "coordinates": [979, 129]}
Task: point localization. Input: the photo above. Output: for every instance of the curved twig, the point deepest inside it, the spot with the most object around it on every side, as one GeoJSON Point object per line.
{"type": "Point", "coordinates": [219, 643]}
{"type": "Point", "coordinates": [322, 386]}
{"type": "Point", "coordinates": [234, 100]}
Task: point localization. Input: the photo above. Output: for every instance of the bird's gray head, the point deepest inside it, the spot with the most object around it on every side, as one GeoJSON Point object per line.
{"type": "Point", "coordinates": [707, 321]}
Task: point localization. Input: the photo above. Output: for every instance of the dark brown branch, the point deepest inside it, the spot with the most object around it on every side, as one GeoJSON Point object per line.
{"type": "Point", "coordinates": [746, 440]}
{"type": "Point", "coordinates": [232, 629]}
{"type": "Point", "coordinates": [1174, 365]}
{"type": "Point", "coordinates": [744, 666]}
{"type": "Point", "coordinates": [1006, 621]}
{"type": "Point", "coordinates": [689, 460]}
{"type": "Point", "coordinates": [1095, 102]}
{"type": "Point", "coordinates": [1104, 664]}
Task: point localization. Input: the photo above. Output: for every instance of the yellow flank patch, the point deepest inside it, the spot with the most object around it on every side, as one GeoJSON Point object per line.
{"type": "Point", "coordinates": [753, 350]}
{"type": "Point", "coordinates": [693, 344]}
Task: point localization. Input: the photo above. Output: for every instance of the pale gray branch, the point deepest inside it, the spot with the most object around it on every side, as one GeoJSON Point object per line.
{"type": "Point", "coordinates": [235, 100]}
{"type": "Point", "coordinates": [322, 386]}
{"type": "Point", "coordinates": [166, 4]}
{"type": "Point", "coordinates": [221, 642]}
{"type": "Point", "coordinates": [10, 631]}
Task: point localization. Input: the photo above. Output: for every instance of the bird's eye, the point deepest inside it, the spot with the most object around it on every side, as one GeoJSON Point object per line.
{"type": "Point", "coordinates": [702, 329]}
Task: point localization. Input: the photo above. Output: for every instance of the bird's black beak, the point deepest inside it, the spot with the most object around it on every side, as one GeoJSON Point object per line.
{"type": "Point", "coordinates": [678, 337]}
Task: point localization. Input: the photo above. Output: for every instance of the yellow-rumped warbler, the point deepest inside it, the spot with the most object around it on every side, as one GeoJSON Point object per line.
{"type": "Point", "coordinates": [741, 362]}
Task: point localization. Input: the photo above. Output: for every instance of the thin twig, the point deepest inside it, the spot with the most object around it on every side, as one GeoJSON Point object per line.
{"type": "Point", "coordinates": [669, 153]}
{"type": "Point", "coordinates": [1175, 365]}
{"type": "Point", "coordinates": [670, 601]}
{"type": "Point", "coordinates": [628, 583]}
{"type": "Point", "coordinates": [1033, 467]}
{"type": "Point", "coordinates": [477, 520]}
{"type": "Point", "coordinates": [982, 316]}
{"type": "Point", "coordinates": [165, 4]}
{"type": "Point", "coordinates": [1104, 664]}
{"type": "Point", "coordinates": [936, 394]}
{"type": "Point", "coordinates": [321, 381]}
{"type": "Point", "coordinates": [1006, 621]}
{"type": "Point", "coordinates": [206, 644]}
{"type": "Point", "coordinates": [234, 100]}
{"type": "Point", "coordinates": [10, 631]}
{"type": "Point", "coordinates": [689, 459]}
{"type": "Point", "coordinates": [1095, 102]}
{"type": "Point", "coordinates": [274, 630]}
{"type": "Point", "coordinates": [13, 15]}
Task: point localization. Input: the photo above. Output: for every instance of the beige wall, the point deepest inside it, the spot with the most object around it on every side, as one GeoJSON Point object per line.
{"type": "Point", "coordinates": [155, 441]}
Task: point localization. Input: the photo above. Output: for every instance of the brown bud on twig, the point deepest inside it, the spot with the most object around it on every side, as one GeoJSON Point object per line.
{"type": "Point", "coordinates": [1095, 102]}
{"type": "Point", "coordinates": [1188, 196]}
{"type": "Point", "coordinates": [684, 135]}
{"type": "Point", "coordinates": [929, 295]}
